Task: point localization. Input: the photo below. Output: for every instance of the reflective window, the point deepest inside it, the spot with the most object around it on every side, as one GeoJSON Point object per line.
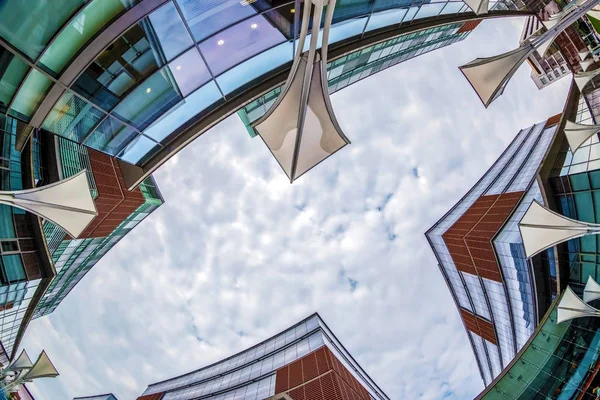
{"type": "Point", "coordinates": [170, 31]}
{"type": "Point", "coordinates": [72, 118]}
{"type": "Point", "coordinates": [30, 25]}
{"type": "Point", "coordinates": [391, 4]}
{"type": "Point", "coordinates": [239, 43]}
{"type": "Point", "coordinates": [210, 16]}
{"type": "Point", "coordinates": [429, 10]}
{"type": "Point", "coordinates": [189, 71]}
{"type": "Point", "coordinates": [452, 7]}
{"type": "Point", "coordinates": [91, 20]}
{"type": "Point", "coordinates": [150, 100]}
{"type": "Point", "coordinates": [12, 73]}
{"type": "Point", "coordinates": [140, 148]}
{"type": "Point", "coordinates": [110, 136]}
{"type": "Point", "coordinates": [184, 111]}
{"type": "Point", "coordinates": [31, 93]}
{"type": "Point", "coordinates": [385, 18]}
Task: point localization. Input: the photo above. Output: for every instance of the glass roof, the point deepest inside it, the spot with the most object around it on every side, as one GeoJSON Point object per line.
{"type": "Point", "coordinates": [177, 62]}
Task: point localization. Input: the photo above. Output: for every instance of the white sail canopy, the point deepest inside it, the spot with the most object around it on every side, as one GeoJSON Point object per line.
{"type": "Point", "coordinates": [585, 64]}
{"type": "Point", "coordinates": [67, 203]}
{"type": "Point", "coordinates": [578, 134]}
{"type": "Point", "coordinates": [21, 362]}
{"type": "Point", "coordinates": [584, 54]}
{"type": "Point", "coordinates": [300, 128]}
{"type": "Point", "coordinates": [571, 307]}
{"type": "Point", "coordinates": [488, 76]}
{"type": "Point", "coordinates": [583, 78]}
{"type": "Point", "coordinates": [542, 228]}
{"type": "Point", "coordinates": [591, 291]}
{"type": "Point", "coordinates": [42, 368]}
{"type": "Point", "coordinates": [478, 6]}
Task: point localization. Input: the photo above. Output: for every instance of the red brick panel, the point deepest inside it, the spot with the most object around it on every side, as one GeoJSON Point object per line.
{"type": "Point", "coordinates": [114, 202]}
{"type": "Point", "coordinates": [553, 120]}
{"type": "Point", "coordinates": [479, 326]}
{"type": "Point", "coordinates": [156, 396]}
{"type": "Point", "coordinates": [469, 239]}
{"type": "Point", "coordinates": [319, 376]}
{"type": "Point", "coordinates": [469, 26]}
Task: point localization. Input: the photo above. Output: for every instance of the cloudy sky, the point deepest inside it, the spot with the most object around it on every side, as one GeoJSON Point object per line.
{"type": "Point", "coordinates": [237, 254]}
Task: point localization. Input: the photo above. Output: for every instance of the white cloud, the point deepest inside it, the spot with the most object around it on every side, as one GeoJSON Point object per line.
{"type": "Point", "coordinates": [237, 254]}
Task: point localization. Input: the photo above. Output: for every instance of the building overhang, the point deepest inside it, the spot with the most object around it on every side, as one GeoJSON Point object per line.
{"type": "Point", "coordinates": [206, 119]}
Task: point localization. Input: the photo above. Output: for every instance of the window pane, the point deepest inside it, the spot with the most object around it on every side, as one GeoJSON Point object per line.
{"type": "Point", "coordinates": [31, 93]}
{"type": "Point", "coordinates": [239, 43]}
{"type": "Point", "coordinates": [13, 268]}
{"type": "Point", "coordinates": [429, 10]}
{"type": "Point", "coordinates": [170, 31]}
{"type": "Point", "coordinates": [12, 73]}
{"type": "Point", "coordinates": [385, 18]}
{"type": "Point", "coordinates": [110, 136]}
{"type": "Point", "coordinates": [76, 34]}
{"type": "Point", "coordinates": [211, 16]}
{"type": "Point", "coordinates": [452, 7]}
{"type": "Point", "coordinates": [138, 149]}
{"type": "Point", "coordinates": [189, 71]}
{"type": "Point", "coordinates": [29, 25]}
{"type": "Point", "coordinates": [184, 111]}
{"type": "Point", "coordinates": [72, 118]}
{"type": "Point", "coordinates": [255, 67]}
{"type": "Point", "coordinates": [149, 100]}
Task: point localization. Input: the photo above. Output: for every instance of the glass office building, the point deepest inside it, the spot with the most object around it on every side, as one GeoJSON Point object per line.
{"type": "Point", "coordinates": [361, 64]}
{"type": "Point", "coordinates": [481, 255]}
{"type": "Point", "coordinates": [140, 79]}
{"type": "Point", "coordinates": [119, 212]}
{"type": "Point", "coordinates": [306, 361]}
{"type": "Point", "coordinates": [108, 396]}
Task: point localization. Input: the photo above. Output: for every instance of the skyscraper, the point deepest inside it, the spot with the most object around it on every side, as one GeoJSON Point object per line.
{"type": "Point", "coordinates": [306, 361]}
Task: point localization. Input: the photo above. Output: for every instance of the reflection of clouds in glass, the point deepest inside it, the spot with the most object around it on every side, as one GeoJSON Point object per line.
{"type": "Point", "coordinates": [171, 32]}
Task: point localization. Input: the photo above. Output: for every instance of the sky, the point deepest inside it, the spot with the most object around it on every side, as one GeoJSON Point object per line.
{"type": "Point", "coordinates": [237, 254]}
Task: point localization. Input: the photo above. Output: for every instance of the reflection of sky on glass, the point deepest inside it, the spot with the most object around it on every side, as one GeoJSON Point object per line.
{"type": "Point", "coordinates": [188, 108]}
{"type": "Point", "coordinates": [385, 18]}
{"type": "Point", "coordinates": [170, 30]}
{"type": "Point", "coordinates": [212, 16]}
{"type": "Point", "coordinates": [189, 71]}
{"type": "Point", "coordinates": [430, 10]}
{"type": "Point", "coordinates": [138, 149]}
{"type": "Point", "coordinates": [255, 67]}
{"type": "Point", "coordinates": [239, 43]}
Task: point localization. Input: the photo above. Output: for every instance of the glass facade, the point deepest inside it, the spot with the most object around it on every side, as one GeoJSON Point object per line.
{"type": "Point", "coordinates": [250, 375]}
{"type": "Point", "coordinates": [108, 396]}
{"type": "Point", "coordinates": [560, 362]}
{"type": "Point", "coordinates": [73, 258]}
{"type": "Point", "coordinates": [175, 63]}
{"type": "Point", "coordinates": [510, 304]}
{"type": "Point", "coordinates": [358, 65]}
{"type": "Point", "coordinates": [20, 270]}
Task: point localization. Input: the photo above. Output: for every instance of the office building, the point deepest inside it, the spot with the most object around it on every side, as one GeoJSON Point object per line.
{"type": "Point", "coordinates": [481, 256]}
{"type": "Point", "coordinates": [119, 211]}
{"type": "Point", "coordinates": [363, 63]}
{"type": "Point", "coordinates": [108, 396]}
{"type": "Point", "coordinates": [572, 48]}
{"type": "Point", "coordinates": [306, 361]}
{"type": "Point", "coordinates": [139, 80]}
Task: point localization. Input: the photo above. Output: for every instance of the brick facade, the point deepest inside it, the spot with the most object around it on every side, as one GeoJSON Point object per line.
{"type": "Point", "coordinates": [114, 202]}
{"type": "Point", "coordinates": [469, 240]}
{"type": "Point", "coordinates": [479, 326]}
{"type": "Point", "coordinates": [319, 376]}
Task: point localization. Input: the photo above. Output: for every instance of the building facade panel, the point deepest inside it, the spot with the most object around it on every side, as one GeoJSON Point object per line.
{"type": "Point", "coordinates": [479, 238]}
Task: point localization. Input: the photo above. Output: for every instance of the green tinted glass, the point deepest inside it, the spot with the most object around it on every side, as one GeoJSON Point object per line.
{"type": "Point", "coordinates": [12, 73]}
{"type": "Point", "coordinates": [31, 93]}
{"type": "Point", "coordinates": [78, 32]}
{"type": "Point", "coordinates": [30, 25]}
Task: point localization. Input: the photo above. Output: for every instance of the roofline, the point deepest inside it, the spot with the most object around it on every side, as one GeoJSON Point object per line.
{"type": "Point", "coordinates": [208, 118]}
{"type": "Point", "coordinates": [91, 397]}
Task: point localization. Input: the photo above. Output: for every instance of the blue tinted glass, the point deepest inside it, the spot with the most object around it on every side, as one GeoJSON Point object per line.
{"type": "Point", "coordinates": [13, 266]}
{"type": "Point", "coordinates": [347, 29]}
{"type": "Point", "coordinates": [385, 18]}
{"type": "Point", "coordinates": [390, 4]}
{"type": "Point", "coordinates": [189, 71]}
{"type": "Point", "coordinates": [255, 67]}
{"type": "Point", "coordinates": [410, 14]}
{"type": "Point", "coordinates": [239, 43]}
{"type": "Point", "coordinates": [149, 100]}
{"type": "Point", "coordinates": [7, 228]}
{"type": "Point", "coordinates": [110, 136]}
{"type": "Point", "coordinates": [184, 111]}
{"type": "Point", "coordinates": [429, 10]}
{"type": "Point", "coordinates": [171, 32]}
{"type": "Point", "coordinates": [452, 7]}
{"type": "Point", "coordinates": [210, 16]}
{"type": "Point", "coordinates": [138, 149]}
